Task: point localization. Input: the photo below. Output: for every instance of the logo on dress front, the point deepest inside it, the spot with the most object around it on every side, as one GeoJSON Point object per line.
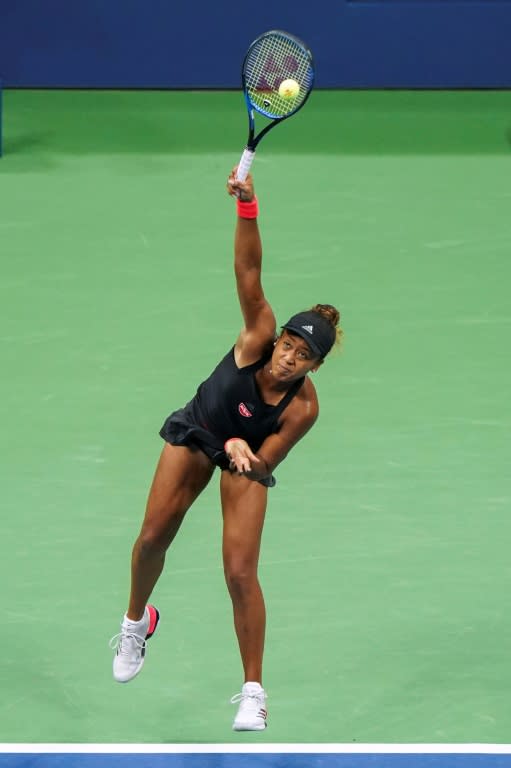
{"type": "Point", "coordinates": [242, 408]}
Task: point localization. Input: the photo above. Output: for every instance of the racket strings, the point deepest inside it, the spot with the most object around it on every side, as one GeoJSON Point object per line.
{"type": "Point", "coordinates": [272, 60]}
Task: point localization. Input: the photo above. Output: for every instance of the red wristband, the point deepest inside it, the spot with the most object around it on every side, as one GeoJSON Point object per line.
{"type": "Point", "coordinates": [229, 440]}
{"type": "Point", "coordinates": [248, 210]}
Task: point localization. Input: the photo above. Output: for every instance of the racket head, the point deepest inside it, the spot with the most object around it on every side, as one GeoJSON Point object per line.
{"type": "Point", "coordinates": [273, 57]}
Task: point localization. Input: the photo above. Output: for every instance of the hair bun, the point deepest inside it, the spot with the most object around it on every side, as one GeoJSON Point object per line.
{"type": "Point", "coordinates": [329, 312]}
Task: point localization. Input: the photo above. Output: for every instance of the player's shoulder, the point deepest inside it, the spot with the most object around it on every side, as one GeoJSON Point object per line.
{"type": "Point", "coordinates": [308, 392]}
{"type": "Point", "coordinates": [305, 403]}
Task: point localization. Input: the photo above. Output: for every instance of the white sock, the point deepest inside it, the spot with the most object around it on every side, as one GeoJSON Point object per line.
{"type": "Point", "coordinates": [252, 687]}
{"type": "Point", "coordinates": [131, 623]}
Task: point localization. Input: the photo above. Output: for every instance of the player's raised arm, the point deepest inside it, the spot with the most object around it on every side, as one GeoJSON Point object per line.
{"type": "Point", "coordinates": [259, 320]}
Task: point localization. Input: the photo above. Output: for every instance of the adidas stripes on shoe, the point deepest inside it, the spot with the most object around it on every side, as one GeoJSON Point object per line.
{"type": "Point", "coordinates": [252, 712]}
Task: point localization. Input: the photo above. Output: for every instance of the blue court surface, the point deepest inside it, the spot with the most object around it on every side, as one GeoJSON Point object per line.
{"type": "Point", "coordinates": [253, 756]}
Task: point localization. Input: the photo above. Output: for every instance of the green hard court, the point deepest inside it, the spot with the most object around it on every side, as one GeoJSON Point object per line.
{"type": "Point", "coordinates": [385, 560]}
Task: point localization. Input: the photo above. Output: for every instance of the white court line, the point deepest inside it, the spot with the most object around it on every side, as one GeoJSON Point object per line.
{"type": "Point", "coordinates": [336, 749]}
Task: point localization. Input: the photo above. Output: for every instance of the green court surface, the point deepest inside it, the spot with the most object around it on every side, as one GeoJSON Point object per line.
{"type": "Point", "coordinates": [385, 559]}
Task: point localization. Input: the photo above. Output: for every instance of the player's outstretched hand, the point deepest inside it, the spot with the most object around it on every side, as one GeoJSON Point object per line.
{"type": "Point", "coordinates": [242, 189]}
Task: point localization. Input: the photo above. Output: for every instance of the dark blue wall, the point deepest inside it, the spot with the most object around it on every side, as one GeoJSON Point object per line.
{"type": "Point", "coordinates": [187, 44]}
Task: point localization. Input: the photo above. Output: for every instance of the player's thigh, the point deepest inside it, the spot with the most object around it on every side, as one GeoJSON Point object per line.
{"type": "Point", "coordinates": [181, 475]}
{"type": "Point", "coordinates": [243, 508]}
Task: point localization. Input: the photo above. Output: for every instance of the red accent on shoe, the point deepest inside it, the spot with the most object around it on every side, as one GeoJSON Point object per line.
{"type": "Point", "coordinates": [154, 617]}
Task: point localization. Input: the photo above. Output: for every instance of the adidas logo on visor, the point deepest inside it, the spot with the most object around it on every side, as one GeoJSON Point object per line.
{"type": "Point", "coordinates": [308, 328]}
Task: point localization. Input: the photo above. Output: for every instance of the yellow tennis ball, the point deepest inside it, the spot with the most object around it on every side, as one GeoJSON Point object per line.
{"type": "Point", "coordinates": [289, 89]}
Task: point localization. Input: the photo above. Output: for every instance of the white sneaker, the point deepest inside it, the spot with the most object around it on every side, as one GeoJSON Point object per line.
{"type": "Point", "coordinates": [252, 710]}
{"type": "Point", "coordinates": [130, 644]}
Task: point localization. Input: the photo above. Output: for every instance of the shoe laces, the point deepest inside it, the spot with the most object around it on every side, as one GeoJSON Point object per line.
{"type": "Point", "coordinates": [258, 697]}
{"type": "Point", "coordinates": [118, 641]}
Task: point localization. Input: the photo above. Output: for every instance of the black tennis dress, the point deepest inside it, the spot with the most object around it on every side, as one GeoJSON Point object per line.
{"type": "Point", "coordinates": [227, 404]}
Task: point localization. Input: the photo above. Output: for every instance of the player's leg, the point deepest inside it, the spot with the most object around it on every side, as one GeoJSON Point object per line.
{"type": "Point", "coordinates": [181, 475]}
{"type": "Point", "coordinates": [244, 507]}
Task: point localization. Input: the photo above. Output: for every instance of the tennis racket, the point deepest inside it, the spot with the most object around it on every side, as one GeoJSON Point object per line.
{"type": "Point", "coordinates": [277, 77]}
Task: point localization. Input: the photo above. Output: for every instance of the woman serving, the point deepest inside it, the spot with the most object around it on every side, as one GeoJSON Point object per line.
{"type": "Point", "coordinates": [245, 418]}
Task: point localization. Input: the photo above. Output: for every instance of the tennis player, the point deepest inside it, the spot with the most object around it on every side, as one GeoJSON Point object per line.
{"type": "Point", "coordinates": [245, 418]}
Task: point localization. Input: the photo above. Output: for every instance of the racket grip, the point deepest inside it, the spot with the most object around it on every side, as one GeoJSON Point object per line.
{"type": "Point", "coordinates": [244, 164]}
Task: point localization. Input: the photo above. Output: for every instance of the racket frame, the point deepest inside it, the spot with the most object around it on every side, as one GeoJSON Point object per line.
{"type": "Point", "coordinates": [253, 140]}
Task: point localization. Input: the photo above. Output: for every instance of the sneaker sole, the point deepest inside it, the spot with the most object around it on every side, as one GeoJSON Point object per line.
{"type": "Point", "coordinates": [154, 618]}
{"type": "Point", "coordinates": [249, 728]}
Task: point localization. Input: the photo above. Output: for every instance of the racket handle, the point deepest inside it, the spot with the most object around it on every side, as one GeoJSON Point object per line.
{"type": "Point", "coordinates": [244, 164]}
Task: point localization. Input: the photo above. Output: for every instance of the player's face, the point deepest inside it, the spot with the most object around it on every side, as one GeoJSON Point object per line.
{"type": "Point", "coordinates": [292, 357]}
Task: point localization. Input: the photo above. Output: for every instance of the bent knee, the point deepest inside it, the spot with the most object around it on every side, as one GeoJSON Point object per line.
{"type": "Point", "coordinates": [151, 542]}
{"type": "Point", "coordinates": [156, 538]}
{"type": "Point", "coordinates": [241, 578]}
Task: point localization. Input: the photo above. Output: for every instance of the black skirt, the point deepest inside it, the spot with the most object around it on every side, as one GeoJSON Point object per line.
{"type": "Point", "coordinates": [180, 429]}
